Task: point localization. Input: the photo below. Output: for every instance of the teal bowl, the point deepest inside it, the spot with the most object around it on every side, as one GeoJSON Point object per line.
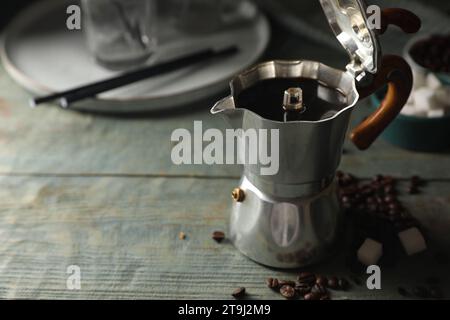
{"type": "Point", "coordinates": [414, 133]}
{"type": "Point", "coordinates": [444, 78]}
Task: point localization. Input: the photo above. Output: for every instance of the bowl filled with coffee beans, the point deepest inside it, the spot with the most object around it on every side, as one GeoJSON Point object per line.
{"type": "Point", "coordinates": [424, 123]}
{"type": "Point", "coordinates": [429, 54]}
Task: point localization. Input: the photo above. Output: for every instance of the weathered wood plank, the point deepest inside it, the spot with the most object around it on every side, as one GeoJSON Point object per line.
{"type": "Point", "coordinates": [123, 233]}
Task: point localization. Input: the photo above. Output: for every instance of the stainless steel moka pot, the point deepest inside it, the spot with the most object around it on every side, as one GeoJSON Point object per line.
{"type": "Point", "coordinates": [293, 219]}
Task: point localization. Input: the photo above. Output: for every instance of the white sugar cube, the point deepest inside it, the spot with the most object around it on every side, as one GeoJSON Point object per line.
{"type": "Point", "coordinates": [433, 82]}
{"type": "Point", "coordinates": [413, 241]}
{"type": "Point", "coordinates": [410, 100]}
{"type": "Point", "coordinates": [438, 113]}
{"type": "Point", "coordinates": [420, 79]}
{"type": "Point", "coordinates": [442, 95]}
{"type": "Point", "coordinates": [370, 252]}
{"type": "Point", "coordinates": [424, 100]}
{"type": "Point", "coordinates": [437, 104]}
{"type": "Point", "coordinates": [409, 110]}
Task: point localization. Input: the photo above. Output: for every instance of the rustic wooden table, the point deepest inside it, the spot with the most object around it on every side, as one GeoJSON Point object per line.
{"type": "Point", "coordinates": [102, 193]}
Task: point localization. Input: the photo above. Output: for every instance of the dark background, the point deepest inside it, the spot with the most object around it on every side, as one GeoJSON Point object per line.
{"type": "Point", "coordinates": [9, 7]}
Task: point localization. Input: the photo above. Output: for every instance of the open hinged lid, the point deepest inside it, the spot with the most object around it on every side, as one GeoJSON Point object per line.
{"type": "Point", "coordinates": [349, 22]}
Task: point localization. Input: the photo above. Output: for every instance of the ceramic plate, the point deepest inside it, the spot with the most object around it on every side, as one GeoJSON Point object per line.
{"type": "Point", "coordinates": [42, 55]}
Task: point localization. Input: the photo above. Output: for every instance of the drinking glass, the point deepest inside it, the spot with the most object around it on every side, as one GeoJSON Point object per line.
{"type": "Point", "coordinates": [206, 16]}
{"type": "Point", "coordinates": [120, 33]}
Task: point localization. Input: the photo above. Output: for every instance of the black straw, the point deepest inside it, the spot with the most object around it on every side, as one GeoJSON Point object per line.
{"type": "Point", "coordinates": [66, 98]}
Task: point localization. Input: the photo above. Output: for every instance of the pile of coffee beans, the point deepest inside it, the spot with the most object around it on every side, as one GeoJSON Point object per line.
{"type": "Point", "coordinates": [433, 53]}
{"type": "Point", "coordinates": [308, 286]}
{"type": "Point", "coordinates": [374, 211]}
{"type": "Point", "coordinates": [377, 199]}
{"type": "Point", "coordinates": [414, 186]}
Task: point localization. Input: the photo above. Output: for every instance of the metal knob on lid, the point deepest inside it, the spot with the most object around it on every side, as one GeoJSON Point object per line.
{"type": "Point", "coordinates": [293, 99]}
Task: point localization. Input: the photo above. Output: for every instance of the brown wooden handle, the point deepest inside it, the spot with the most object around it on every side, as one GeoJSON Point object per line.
{"type": "Point", "coordinates": [404, 19]}
{"type": "Point", "coordinates": [395, 72]}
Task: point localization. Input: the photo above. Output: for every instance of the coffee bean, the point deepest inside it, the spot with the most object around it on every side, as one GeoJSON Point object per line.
{"type": "Point", "coordinates": [322, 280]}
{"type": "Point", "coordinates": [349, 178]}
{"type": "Point", "coordinates": [218, 236]}
{"type": "Point", "coordinates": [272, 283]}
{"type": "Point", "coordinates": [403, 292]}
{"type": "Point", "coordinates": [390, 199]}
{"type": "Point", "coordinates": [366, 191]}
{"type": "Point", "coordinates": [312, 296]}
{"type": "Point", "coordinates": [333, 283]}
{"type": "Point", "coordinates": [415, 180]}
{"type": "Point", "coordinates": [287, 291]}
{"type": "Point", "coordinates": [320, 289]}
{"type": "Point", "coordinates": [286, 283]}
{"type": "Point", "coordinates": [346, 200]}
{"type": "Point", "coordinates": [389, 190]}
{"type": "Point", "coordinates": [430, 53]}
{"type": "Point", "coordinates": [395, 207]}
{"type": "Point", "coordinates": [378, 178]}
{"type": "Point", "coordinates": [421, 292]}
{"type": "Point", "coordinates": [302, 288]}
{"type": "Point", "coordinates": [389, 182]}
{"type": "Point", "coordinates": [239, 293]}
{"type": "Point", "coordinates": [307, 277]}
{"type": "Point", "coordinates": [343, 284]}
{"type": "Point", "coordinates": [380, 200]}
